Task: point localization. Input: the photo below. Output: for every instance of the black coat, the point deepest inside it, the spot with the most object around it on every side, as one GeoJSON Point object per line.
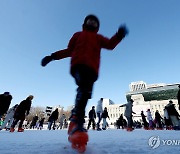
{"type": "Point", "coordinates": [54, 115]}
{"type": "Point", "coordinates": [104, 114]}
{"type": "Point", "coordinates": [5, 102]}
{"type": "Point", "coordinates": [172, 110]}
{"type": "Point", "coordinates": [35, 119]}
{"type": "Point", "coordinates": [143, 117]}
{"type": "Point", "coordinates": [22, 109]}
{"type": "Point", "coordinates": [92, 114]}
{"type": "Point", "coordinates": [157, 116]}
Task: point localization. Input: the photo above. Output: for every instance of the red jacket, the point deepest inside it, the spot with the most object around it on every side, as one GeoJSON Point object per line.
{"type": "Point", "coordinates": [84, 48]}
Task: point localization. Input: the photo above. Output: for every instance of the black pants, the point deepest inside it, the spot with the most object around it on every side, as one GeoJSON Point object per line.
{"type": "Point", "coordinates": [84, 78]}
{"type": "Point", "coordinates": [93, 123]}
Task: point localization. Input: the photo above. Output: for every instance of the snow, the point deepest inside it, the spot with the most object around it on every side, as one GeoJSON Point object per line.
{"type": "Point", "coordinates": [110, 141]}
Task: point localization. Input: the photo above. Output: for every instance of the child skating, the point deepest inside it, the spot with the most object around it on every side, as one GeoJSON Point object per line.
{"type": "Point", "coordinates": [84, 48]}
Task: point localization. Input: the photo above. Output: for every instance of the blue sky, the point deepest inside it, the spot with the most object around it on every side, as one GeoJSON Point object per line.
{"type": "Point", "coordinates": [30, 30]}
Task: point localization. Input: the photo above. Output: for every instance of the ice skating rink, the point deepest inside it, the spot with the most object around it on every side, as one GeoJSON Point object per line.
{"type": "Point", "coordinates": [111, 141]}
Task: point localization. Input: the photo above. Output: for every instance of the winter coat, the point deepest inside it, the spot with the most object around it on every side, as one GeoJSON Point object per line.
{"type": "Point", "coordinates": [99, 108]}
{"type": "Point", "coordinates": [120, 121]}
{"type": "Point", "coordinates": [5, 102]}
{"type": "Point", "coordinates": [128, 110]}
{"type": "Point", "coordinates": [54, 115]}
{"type": "Point", "coordinates": [143, 117]}
{"type": "Point", "coordinates": [105, 114]}
{"type": "Point", "coordinates": [157, 116]}
{"type": "Point", "coordinates": [62, 118]}
{"type": "Point", "coordinates": [172, 110]}
{"type": "Point", "coordinates": [149, 116]}
{"type": "Point", "coordinates": [22, 109]}
{"type": "Point", "coordinates": [34, 121]}
{"type": "Point", "coordinates": [84, 49]}
{"type": "Point", "coordinates": [92, 114]}
{"type": "Point", "coordinates": [41, 122]}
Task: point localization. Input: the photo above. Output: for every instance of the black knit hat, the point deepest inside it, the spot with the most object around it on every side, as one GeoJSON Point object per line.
{"type": "Point", "coordinates": [91, 16]}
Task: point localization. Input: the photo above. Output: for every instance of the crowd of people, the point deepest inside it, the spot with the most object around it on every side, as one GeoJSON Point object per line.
{"type": "Point", "coordinates": [13, 117]}
{"type": "Point", "coordinates": [170, 121]}
{"type": "Point", "coordinates": [16, 115]}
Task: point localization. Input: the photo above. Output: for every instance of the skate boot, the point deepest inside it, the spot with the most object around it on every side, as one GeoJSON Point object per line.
{"type": "Point", "coordinates": [129, 129]}
{"type": "Point", "coordinates": [98, 127]}
{"type": "Point", "coordinates": [12, 129]}
{"type": "Point", "coordinates": [20, 130]}
{"type": "Point", "coordinates": [77, 135]}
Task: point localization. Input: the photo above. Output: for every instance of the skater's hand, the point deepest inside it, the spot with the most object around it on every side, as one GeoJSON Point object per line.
{"type": "Point", "coordinates": [122, 31]}
{"type": "Point", "coordinates": [46, 60]}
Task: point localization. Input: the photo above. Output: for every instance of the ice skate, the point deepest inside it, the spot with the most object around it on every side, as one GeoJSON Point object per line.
{"type": "Point", "coordinates": [146, 128]}
{"type": "Point", "coordinates": [12, 130]}
{"type": "Point", "coordinates": [20, 130]}
{"type": "Point", "coordinates": [130, 129]}
{"type": "Point", "coordinates": [77, 135]}
{"type": "Point", "coordinates": [99, 129]}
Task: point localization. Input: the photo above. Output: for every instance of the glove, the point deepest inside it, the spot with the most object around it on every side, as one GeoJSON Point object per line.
{"type": "Point", "coordinates": [46, 60]}
{"type": "Point", "coordinates": [122, 31]}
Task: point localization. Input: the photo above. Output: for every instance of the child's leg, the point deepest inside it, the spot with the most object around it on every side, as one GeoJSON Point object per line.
{"type": "Point", "coordinates": [85, 79]}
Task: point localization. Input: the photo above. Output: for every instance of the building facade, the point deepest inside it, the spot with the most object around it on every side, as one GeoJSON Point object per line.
{"type": "Point", "coordinates": [152, 96]}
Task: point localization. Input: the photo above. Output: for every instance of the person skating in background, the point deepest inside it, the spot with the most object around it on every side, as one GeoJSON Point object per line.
{"type": "Point", "coordinates": [99, 110]}
{"type": "Point", "coordinates": [150, 119]}
{"type": "Point", "coordinates": [41, 122]}
{"type": "Point", "coordinates": [92, 117]}
{"type": "Point", "coordinates": [21, 112]}
{"type": "Point", "coordinates": [104, 116]}
{"type": "Point", "coordinates": [119, 122]}
{"type": "Point", "coordinates": [33, 122]}
{"type": "Point", "coordinates": [84, 48]}
{"type": "Point", "coordinates": [173, 114]}
{"type": "Point", "coordinates": [178, 96]}
{"type": "Point", "coordinates": [158, 120]}
{"type": "Point", "coordinates": [128, 114]}
{"type": "Point", "coordinates": [5, 101]}
{"type": "Point", "coordinates": [145, 123]}
{"type": "Point", "coordinates": [52, 119]}
{"type": "Point", "coordinates": [61, 121]}
{"type": "Point", "coordinates": [65, 123]}
{"type": "Point", "coordinates": [167, 120]}
{"type": "Point", "coordinates": [9, 118]}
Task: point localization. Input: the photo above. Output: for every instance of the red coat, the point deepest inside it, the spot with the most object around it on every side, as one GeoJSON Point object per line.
{"type": "Point", "coordinates": [84, 48]}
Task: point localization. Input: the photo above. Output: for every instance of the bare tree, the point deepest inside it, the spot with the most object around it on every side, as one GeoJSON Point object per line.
{"type": "Point", "coordinates": [39, 111]}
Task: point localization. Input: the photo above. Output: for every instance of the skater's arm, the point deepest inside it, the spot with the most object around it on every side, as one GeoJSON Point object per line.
{"type": "Point", "coordinates": [28, 108]}
{"type": "Point", "coordinates": [115, 39]}
{"type": "Point", "coordinates": [60, 54]}
{"type": "Point", "coordinates": [66, 52]}
{"type": "Point", "coordinates": [122, 105]}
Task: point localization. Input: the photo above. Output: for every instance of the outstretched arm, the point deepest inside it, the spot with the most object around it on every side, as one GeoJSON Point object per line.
{"type": "Point", "coordinates": [61, 53]}
{"type": "Point", "coordinates": [114, 40]}
{"type": "Point", "coordinates": [122, 105]}
{"type": "Point", "coordinates": [56, 56]}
